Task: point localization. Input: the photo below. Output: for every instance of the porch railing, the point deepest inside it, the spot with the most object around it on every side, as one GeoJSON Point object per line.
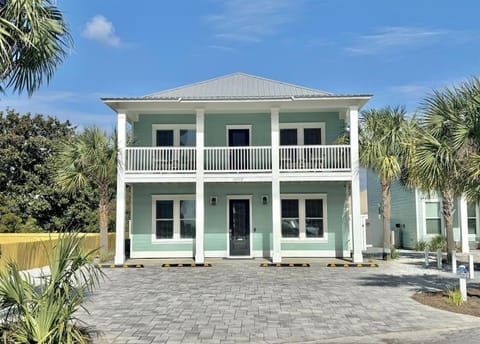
{"type": "Point", "coordinates": [315, 158]}
{"type": "Point", "coordinates": [238, 159]}
{"type": "Point", "coordinates": [251, 159]}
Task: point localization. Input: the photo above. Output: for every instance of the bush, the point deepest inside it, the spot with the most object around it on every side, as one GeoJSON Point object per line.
{"type": "Point", "coordinates": [43, 311]}
{"type": "Point", "coordinates": [438, 242]}
{"type": "Point", "coordinates": [420, 245]}
{"type": "Point", "coordinates": [394, 253]}
{"type": "Point", "coordinates": [454, 297]}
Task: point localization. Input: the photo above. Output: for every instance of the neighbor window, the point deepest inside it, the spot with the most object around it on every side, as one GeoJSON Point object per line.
{"type": "Point", "coordinates": [303, 216]}
{"type": "Point", "coordinates": [174, 217]}
{"type": "Point", "coordinates": [433, 221]}
{"type": "Point", "coordinates": [472, 218]}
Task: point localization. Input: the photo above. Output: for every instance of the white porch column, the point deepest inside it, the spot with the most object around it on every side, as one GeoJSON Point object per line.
{"type": "Point", "coordinates": [120, 210]}
{"type": "Point", "coordinates": [199, 194]}
{"type": "Point", "coordinates": [357, 234]}
{"type": "Point", "coordinates": [276, 203]}
{"type": "Point", "coordinates": [463, 218]}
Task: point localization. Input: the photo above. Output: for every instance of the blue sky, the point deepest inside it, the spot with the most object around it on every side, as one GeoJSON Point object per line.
{"type": "Point", "coordinates": [397, 50]}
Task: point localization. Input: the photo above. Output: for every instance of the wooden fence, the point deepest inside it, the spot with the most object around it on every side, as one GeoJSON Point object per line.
{"type": "Point", "coordinates": [31, 250]}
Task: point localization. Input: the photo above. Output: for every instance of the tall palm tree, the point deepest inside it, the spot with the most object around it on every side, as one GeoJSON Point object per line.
{"type": "Point", "coordinates": [385, 145]}
{"type": "Point", "coordinates": [448, 149]}
{"type": "Point", "coordinates": [90, 159]}
{"type": "Point", "coordinates": [34, 39]}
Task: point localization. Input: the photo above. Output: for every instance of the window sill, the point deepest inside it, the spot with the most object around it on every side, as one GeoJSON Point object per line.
{"type": "Point", "coordinates": [172, 241]}
{"type": "Point", "coordinates": [303, 240]}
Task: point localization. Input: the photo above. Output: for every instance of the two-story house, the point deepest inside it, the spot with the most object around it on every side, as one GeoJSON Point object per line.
{"type": "Point", "coordinates": [239, 166]}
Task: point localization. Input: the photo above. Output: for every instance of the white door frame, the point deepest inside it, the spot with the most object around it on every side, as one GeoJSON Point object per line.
{"type": "Point", "coordinates": [239, 197]}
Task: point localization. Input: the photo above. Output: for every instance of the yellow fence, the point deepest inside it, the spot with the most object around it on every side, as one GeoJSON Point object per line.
{"type": "Point", "coordinates": [31, 250]}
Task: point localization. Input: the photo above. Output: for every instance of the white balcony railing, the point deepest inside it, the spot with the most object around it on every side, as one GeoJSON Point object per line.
{"type": "Point", "coordinates": [160, 159]}
{"type": "Point", "coordinates": [315, 158]}
{"type": "Point", "coordinates": [238, 159]}
{"type": "Point", "coordinates": [252, 159]}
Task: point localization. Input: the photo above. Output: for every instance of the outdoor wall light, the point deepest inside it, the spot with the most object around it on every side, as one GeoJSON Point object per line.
{"type": "Point", "coordinates": [213, 200]}
{"type": "Point", "coordinates": [264, 199]}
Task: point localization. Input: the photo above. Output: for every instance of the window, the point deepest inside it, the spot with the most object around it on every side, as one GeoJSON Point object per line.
{"type": "Point", "coordinates": [433, 221]}
{"type": "Point", "coordinates": [174, 135]}
{"type": "Point", "coordinates": [173, 217]}
{"type": "Point", "coordinates": [303, 216]}
{"type": "Point", "coordinates": [302, 134]}
{"type": "Point", "coordinates": [472, 219]}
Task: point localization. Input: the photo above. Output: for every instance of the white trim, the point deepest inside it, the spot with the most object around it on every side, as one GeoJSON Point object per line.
{"type": "Point", "coordinates": [238, 126]}
{"type": "Point", "coordinates": [305, 125]}
{"type": "Point", "coordinates": [302, 217]}
{"type": "Point", "coordinates": [176, 131]}
{"type": "Point", "coordinates": [417, 217]}
{"type": "Point", "coordinates": [176, 218]}
{"type": "Point", "coordinates": [239, 197]}
{"type": "Point", "coordinates": [121, 186]}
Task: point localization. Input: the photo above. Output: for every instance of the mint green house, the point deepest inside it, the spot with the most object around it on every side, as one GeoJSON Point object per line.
{"type": "Point", "coordinates": [416, 216]}
{"type": "Point", "coordinates": [239, 166]}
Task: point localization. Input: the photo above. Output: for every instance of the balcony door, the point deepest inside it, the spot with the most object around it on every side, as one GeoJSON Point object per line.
{"type": "Point", "coordinates": [239, 158]}
{"type": "Point", "coordinates": [239, 227]}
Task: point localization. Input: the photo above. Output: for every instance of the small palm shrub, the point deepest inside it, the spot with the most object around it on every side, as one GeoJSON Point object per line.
{"type": "Point", "coordinates": [420, 245]}
{"type": "Point", "coordinates": [438, 242]}
{"type": "Point", "coordinates": [43, 311]}
{"type": "Point", "coordinates": [394, 254]}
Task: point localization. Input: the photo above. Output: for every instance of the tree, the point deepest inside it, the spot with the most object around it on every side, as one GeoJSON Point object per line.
{"type": "Point", "coordinates": [385, 147]}
{"type": "Point", "coordinates": [448, 147]}
{"type": "Point", "coordinates": [90, 159]}
{"type": "Point", "coordinates": [29, 198]}
{"type": "Point", "coordinates": [34, 39]}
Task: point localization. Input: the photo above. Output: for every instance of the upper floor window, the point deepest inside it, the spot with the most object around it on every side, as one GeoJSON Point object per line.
{"type": "Point", "coordinates": [174, 135]}
{"type": "Point", "coordinates": [302, 134]}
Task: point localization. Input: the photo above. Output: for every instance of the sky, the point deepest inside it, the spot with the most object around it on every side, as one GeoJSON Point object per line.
{"type": "Point", "coordinates": [399, 51]}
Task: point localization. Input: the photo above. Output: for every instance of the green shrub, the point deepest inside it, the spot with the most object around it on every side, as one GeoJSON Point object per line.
{"type": "Point", "coordinates": [454, 297]}
{"type": "Point", "coordinates": [394, 253]}
{"type": "Point", "coordinates": [420, 245]}
{"type": "Point", "coordinates": [43, 311]}
{"type": "Point", "coordinates": [438, 242]}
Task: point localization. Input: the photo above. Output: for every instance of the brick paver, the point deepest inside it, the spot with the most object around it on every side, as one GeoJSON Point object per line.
{"type": "Point", "coordinates": [241, 302]}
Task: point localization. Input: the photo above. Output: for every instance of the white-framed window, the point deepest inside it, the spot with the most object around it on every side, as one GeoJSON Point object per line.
{"type": "Point", "coordinates": [302, 134]}
{"type": "Point", "coordinates": [304, 216]}
{"type": "Point", "coordinates": [173, 135]}
{"type": "Point", "coordinates": [238, 135]}
{"type": "Point", "coordinates": [433, 218]}
{"type": "Point", "coordinates": [472, 211]}
{"type": "Point", "coordinates": [173, 217]}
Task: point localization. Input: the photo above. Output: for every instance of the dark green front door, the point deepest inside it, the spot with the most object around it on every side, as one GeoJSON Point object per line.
{"type": "Point", "coordinates": [239, 227]}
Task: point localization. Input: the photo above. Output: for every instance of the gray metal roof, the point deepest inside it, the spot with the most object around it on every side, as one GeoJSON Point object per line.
{"type": "Point", "coordinates": [238, 86]}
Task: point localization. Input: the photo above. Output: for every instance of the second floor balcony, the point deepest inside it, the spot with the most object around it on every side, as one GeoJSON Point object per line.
{"type": "Point", "coordinates": [247, 159]}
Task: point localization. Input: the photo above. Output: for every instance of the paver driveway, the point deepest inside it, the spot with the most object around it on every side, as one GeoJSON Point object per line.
{"type": "Point", "coordinates": [239, 302]}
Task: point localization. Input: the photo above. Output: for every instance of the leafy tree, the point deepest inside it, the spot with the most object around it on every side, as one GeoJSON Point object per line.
{"type": "Point", "coordinates": [29, 198]}
{"type": "Point", "coordinates": [90, 159]}
{"type": "Point", "coordinates": [385, 146]}
{"type": "Point", "coordinates": [448, 148]}
{"type": "Point", "coordinates": [34, 39]}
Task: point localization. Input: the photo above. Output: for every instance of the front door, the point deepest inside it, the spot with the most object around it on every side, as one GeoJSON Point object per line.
{"type": "Point", "coordinates": [239, 227]}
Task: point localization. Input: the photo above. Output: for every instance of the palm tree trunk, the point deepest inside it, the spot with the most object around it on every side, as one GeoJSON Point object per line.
{"type": "Point", "coordinates": [447, 212]}
{"type": "Point", "coordinates": [103, 218]}
{"type": "Point", "coordinates": [386, 194]}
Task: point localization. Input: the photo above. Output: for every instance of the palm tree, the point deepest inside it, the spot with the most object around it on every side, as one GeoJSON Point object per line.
{"type": "Point", "coordinates": [448, 148]}
{"type": "Point", "coordinates": [34, 39]}
{"type": "Point", "coordinates": [90, 159]}
{"type": "Point", "coordinates": [385, 145]}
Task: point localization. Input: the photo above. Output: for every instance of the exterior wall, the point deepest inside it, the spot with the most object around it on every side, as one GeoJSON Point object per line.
{"type": "Point", "coordinates": [216, 227]}
{"type": "Point", "coordinates": [215, 131]}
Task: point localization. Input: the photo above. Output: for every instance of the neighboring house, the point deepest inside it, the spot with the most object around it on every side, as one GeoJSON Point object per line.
{"type": "Point", "coordinates": [416, 216]}
{"type": "Point", "coordinates": [239, 166]}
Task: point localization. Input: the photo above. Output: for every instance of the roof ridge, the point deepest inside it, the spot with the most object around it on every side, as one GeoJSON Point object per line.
{"type": "Point", "coordinates": [190, 85]}
{"type": "Point", "coordinates": [159, 93]}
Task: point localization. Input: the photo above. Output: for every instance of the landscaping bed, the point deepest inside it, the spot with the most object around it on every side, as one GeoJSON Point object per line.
{"type": "Point", "coordinates": [441, 300]}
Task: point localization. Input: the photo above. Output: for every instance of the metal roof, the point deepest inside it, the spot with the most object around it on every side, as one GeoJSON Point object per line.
{"type": "Point", "coordinates": [238, 86]}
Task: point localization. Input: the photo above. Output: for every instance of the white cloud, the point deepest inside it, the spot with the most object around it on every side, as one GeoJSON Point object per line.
{"type": "Point", "coordinates": [100, 29]}
{"type": "Point", "coordinates": [391, 39]}
{"type": "Point", "coordinates": [251, 20]}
